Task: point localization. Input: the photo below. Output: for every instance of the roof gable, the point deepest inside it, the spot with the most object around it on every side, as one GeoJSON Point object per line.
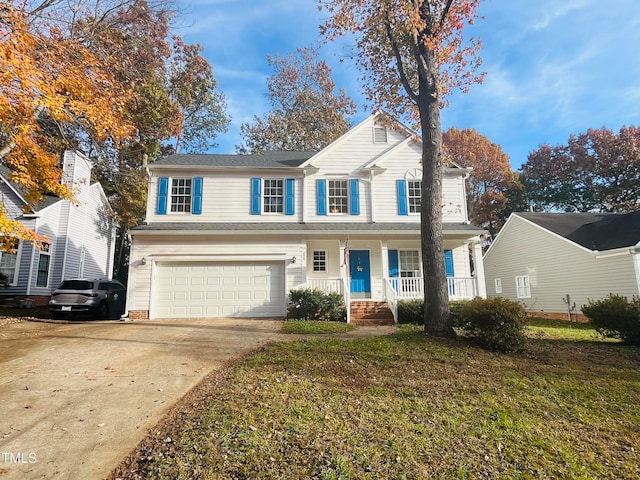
{"type": "Point", "coordinates": [594, 231]}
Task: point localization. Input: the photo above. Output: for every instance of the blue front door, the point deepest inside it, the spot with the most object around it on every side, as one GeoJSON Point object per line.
{"type": "Point", "coordinates": [360, 272]}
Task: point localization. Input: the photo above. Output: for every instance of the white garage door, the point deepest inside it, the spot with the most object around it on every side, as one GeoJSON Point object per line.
{"type": "Point", "coordinates": [219, 289]}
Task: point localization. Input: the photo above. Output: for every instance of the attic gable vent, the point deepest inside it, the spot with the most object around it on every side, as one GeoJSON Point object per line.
{"type": "Point", "coordinates": [379, 134]}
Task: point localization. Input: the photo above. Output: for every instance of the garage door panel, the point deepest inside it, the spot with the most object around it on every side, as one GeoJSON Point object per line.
{"type": "Point", "coordinates": [190, 289]}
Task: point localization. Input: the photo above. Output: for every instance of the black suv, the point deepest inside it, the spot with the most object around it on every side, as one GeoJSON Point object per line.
{"type": "Point", "coordinates": [103, 299]}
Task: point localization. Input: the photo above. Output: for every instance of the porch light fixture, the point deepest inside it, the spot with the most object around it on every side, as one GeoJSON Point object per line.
{"type": "Point", "coordinates": [293, 259]}
{"type": "Point", "coordinates": [143, 261]}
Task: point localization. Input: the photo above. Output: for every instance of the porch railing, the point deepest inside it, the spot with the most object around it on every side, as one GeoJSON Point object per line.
{"type": "Point", "coordinates": [459, 288]}
{"type": "Point", "coordinates": [392, 298]}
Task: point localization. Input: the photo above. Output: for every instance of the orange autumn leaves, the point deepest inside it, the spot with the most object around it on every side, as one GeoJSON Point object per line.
{"type": "Point", "coordinates": [49, 81]}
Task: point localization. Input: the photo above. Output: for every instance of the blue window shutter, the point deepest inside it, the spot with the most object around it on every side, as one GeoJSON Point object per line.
{"type": "Point", "coordinates": [255, 196]}
{"type": "Point", "coordinates": [403, 208]}
{"type": "Point", "coordinates": [393, 264]}
{"type": "Point", "coordinates": [321, 197]}
{"type": "Point", "coordinates": [354, 196]}
{"type": "Point", "coordinates": [196, 203]}
{"type": "Point", "coordinates": [163, 195]}
{"type": "Point", "coordinates": [289, 204]}
{"type": "Point", "coordinates": [448, 262]}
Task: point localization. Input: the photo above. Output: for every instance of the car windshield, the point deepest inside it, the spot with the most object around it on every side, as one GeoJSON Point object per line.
{"type": "Point", "coordinates": [76, 285]}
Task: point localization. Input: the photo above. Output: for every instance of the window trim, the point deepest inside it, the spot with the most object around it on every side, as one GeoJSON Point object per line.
{"type": "Point", "coordinates": [44, 253]}
{"type": "Point", "coordinates": [418, 273]}
{"type": "Point", "coordinates": [498, 284]}
{"type": "Point", "coordinates": [263, 195]}
{"type": "Point", "coordinates": [524, 290]}
{"type": "Point", "coordinates": [321, 262]}
{"type": "Point", "coordinates": [16, 267]}
{"type": "Point", "coordinates": [171, 196]}
{"type": "Point", "coordinates": [346, 196]}
{"type": "Point", "coordinates": [411, 206]}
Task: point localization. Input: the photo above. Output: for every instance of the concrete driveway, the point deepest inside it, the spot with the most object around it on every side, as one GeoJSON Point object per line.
{"type": "Point", "coordinates": [76, 398]}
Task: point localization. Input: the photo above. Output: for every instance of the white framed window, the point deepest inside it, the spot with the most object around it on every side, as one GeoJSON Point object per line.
{"type": "Point", "coordinates": [414, 195]}
{"type": "Point", "coordinates": [44, 259]}
{"type": "Point", "coordinates": [409, 263]}
{"type": "Point", "coordinates": [523, 287]}
{"type": "Point", "coordinates": [379, 134]}
{"type": "Point", "coordinates": [181, 195]}
{"type": "Point", "coordinates": [319, 260]}
{"type": "Point", "coordinates": [498, 284]}
{"type": "Point", "coordinates": [9, 262]}
{"type": "Point", "coordinates": [338, 196]}
{"type": "Point", "coordinates": [273, 195]}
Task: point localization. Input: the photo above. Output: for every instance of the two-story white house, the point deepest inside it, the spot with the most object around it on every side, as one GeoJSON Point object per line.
{"type": "Point", "coordinates": [231, 235]}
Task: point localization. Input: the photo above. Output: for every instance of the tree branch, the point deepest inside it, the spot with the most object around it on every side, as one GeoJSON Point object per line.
{"type": "Point", "coordinates": [396, 53]}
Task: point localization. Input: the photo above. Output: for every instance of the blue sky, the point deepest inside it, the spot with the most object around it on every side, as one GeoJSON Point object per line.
{"type": "Point", "coordinates": [553, 67]}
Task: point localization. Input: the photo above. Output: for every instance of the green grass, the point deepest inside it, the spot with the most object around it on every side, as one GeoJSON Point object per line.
{"type": "Point", "coordinates": [315, 327]}
{"type": "Point", "coordinates": [564, 329]}
{"type": "Point", "coordinates": [406, 406]}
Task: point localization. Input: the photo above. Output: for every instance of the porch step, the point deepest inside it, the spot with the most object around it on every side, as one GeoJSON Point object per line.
{"type": "Point", "coordinates": [371, 313]}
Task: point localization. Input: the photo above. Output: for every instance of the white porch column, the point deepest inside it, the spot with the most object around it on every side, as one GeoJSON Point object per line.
{"type": "Point", "coordinates": [479, 269]}
{"type": "Point", "coordinates": [385, 259]}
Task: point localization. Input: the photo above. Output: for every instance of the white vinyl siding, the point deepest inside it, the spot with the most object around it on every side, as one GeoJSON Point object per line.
{"type": "Point", "coordinates": [555, 267]}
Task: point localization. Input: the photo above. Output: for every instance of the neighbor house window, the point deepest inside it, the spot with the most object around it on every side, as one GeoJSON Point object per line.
{"type": "Point", "coordinates": [498, 284]}
{"type": "Point", "coordinates": [523, 288]}
{"type": "Point", "coordinates": [44, 259]}
{"type": "Point", "coordinates": [338, 196]}
{"type": "Point", "coordinates": [414, 195]}
{"type": "Point", "coordinates": [273, 196]}
{"type": "Point", "coordinates": [319, 261]}
{"type": "Point", "coordinates": [8, 263]}
{"type": "Point", "coordinates": [181, 195]}
{"type": "Point", "coordinates": [409, 263]}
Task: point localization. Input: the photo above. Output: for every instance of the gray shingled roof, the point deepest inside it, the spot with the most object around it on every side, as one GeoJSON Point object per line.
{"type": "Point", "coordinates": [275, 159]}
{"type": "Point", "coordinates": [44, 202]}
{"type": "Point", "coordinates": [290, 227]}
{"type": "Point", "coordinates": [595, 231]}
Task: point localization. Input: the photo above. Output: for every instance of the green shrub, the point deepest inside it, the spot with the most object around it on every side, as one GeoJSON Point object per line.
{"type": "Point", "coordinates": [497, 323]}
{"type": "Point", "coordinates": [410, 311]}
{"type": "Point", "coordinates": [312, 304]}
{"type": "Point", "coordinates": [455, 308]}
{"type": "Point", "coordinates": [616, 317]}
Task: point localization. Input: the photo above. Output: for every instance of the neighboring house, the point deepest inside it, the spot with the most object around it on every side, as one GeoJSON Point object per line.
{"type": "Point", "coordinates": [81, 235]}
{"type": "Point", "coordinates": [231, 235]}
{"type": "Point", "coordinates": [553, 263]}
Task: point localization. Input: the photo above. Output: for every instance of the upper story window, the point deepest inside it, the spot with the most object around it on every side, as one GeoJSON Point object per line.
{"type": "Point", "coordinates": [409, 192]}
{"type": "Point", "coordinates": [379, 134]}
{"type": "Point", "coordinates": [414, 195]}
{"type": "Point", "coordinates": [338, 196]}
{"type": "Point", "coordinates": [273, 195]}
{"type": "Point", "coordinates": [179, 195]}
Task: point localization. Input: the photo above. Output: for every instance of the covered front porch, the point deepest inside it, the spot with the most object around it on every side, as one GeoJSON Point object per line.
{"type": "Point", "coordinates": [390, 270]}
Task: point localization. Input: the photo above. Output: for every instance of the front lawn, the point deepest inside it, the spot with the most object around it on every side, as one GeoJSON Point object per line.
{"type": "Point", "coordinates": [405, 406]}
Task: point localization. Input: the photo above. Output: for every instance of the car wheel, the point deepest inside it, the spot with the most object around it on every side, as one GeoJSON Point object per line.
{"type": "Point", "coordinates": [103, 311]}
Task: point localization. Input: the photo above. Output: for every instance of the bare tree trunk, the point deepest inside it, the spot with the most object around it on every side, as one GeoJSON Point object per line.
{"type": "Point", "coordinates": [436, 313]}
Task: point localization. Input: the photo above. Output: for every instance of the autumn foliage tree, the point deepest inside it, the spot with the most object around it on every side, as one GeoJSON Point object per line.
{"type": "Point", "coordinates": [596, 171]}
{"type": "Point", "coordinates": [411, 54]}
{"type": "Point", "coordinates": [307, 113]}
{"type": "Point", "coordinates": [105, 77]}
{"type": "Point", "coordinates": [491, 181]}
{"type": "Point", "coordinates": [50, 85]}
